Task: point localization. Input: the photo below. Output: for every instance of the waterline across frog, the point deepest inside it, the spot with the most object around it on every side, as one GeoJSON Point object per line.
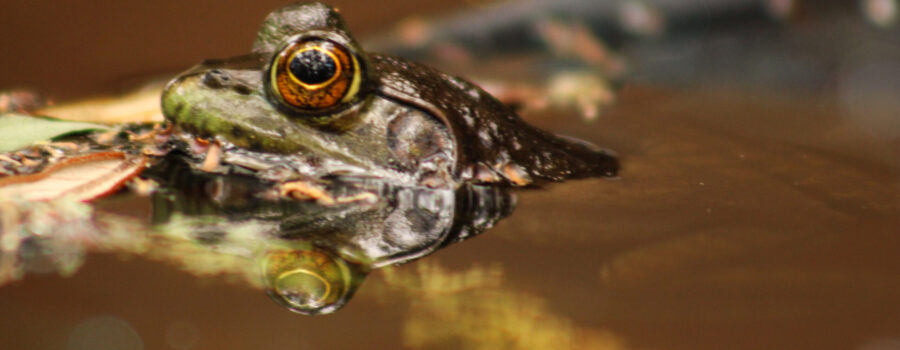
{"type": "Point", "coordinates": [309, 99]}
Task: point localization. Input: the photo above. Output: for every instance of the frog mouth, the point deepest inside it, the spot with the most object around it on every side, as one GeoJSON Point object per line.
{"type": "Point", "coordinates": [219, 155]}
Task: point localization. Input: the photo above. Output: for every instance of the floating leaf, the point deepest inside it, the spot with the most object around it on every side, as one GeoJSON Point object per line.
{"type": "Point", "coordinates": [138, 106]}
{"type": "Point", "coordinates": [17, 131]}
{"type": "Point", "coordinates": [84, 177]}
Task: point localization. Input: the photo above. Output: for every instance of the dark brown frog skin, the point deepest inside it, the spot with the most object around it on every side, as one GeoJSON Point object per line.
{"type": "Point", "coordinates": [394, 119]}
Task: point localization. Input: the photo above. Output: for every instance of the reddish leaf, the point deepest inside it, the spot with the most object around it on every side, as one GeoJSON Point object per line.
{"type": "Point", "coordinates": [84, 177]}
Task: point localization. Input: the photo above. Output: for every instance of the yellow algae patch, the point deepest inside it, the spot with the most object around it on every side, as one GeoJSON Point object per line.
{"type": "Point", "coordinates": [473, 310]}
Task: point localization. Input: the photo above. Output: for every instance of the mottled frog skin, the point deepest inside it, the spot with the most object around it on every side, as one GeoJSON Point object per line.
{"type": "Point", "coordinates": [310, 100]}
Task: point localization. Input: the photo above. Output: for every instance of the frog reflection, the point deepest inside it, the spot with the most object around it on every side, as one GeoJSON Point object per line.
{"type": "Point", "coordinates": [314, 256]}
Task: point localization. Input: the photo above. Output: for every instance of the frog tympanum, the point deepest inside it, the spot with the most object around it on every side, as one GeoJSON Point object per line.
{"type": "Point", "coordinates": [309, 103]}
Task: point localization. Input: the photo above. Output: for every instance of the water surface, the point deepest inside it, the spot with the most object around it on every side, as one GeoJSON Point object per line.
{"type": "Point", "coordinates": [747, 216]}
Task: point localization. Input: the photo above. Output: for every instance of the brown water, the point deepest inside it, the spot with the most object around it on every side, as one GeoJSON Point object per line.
{"type": "Point", "coordinates": [741, 220]}
{"type": "Point", "coordinates": [744, 218]}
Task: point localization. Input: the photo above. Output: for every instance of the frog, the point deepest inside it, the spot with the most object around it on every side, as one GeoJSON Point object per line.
{"type": "Point", "coordinates": [309, 103]}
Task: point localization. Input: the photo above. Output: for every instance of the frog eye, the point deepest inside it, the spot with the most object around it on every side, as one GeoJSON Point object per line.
{"type": "Point", "coordinates": [314, 74]}
{"type": "Point", "coordinates": [308, 281]}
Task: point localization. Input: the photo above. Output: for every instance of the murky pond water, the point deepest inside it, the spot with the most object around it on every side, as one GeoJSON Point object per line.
{"type": "Point", "coordinates": [746, 216]}
{"type": "Point", "coordinates": [730, 227]}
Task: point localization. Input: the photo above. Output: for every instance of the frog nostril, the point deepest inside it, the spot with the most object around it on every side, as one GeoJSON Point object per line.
{"type": "Point", "coordinates": [242, 89]}
{"type": "Point", "coordinates": [216, 78]}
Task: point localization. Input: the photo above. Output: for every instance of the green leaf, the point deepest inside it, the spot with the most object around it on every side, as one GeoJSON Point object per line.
{"type": "Point", "coordinates": [17, 131]}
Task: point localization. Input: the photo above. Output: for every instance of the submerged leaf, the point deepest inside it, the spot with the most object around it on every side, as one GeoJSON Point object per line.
{"type": "Point", "coordinates": [17, 131]}
{"type": "Point", "coordinates": [84, 177]}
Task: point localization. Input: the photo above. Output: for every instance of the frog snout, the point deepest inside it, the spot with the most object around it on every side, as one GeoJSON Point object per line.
{"type": "Point", "coordinates": [220, 79]}
{"type": "Point", "coordinates": [216, 79]}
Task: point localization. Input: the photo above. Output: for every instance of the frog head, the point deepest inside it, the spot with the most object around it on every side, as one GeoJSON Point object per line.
{"type": "Point", "coordinates": [310, 97]}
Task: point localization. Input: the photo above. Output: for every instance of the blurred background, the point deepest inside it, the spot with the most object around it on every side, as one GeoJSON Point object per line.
{"type": "Point", "coordinates": [66, 49]}
{"type": "Point", "coordinates": [758, 206]}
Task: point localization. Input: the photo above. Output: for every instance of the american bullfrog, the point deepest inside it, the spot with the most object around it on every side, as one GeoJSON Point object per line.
{"type": "Point", "coordinates": [309, 103]}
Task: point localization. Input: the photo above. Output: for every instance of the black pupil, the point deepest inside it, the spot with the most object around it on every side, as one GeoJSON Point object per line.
{"type": "Point", "coordinates": [313, 67]}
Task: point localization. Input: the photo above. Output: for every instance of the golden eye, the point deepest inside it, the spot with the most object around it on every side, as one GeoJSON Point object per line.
{"type": "Point", "coordinates": [308, 281]}
{"type": "Point", "coordinates": [314, 74]}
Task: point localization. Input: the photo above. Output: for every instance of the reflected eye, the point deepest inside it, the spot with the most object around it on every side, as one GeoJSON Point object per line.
{"type": "Point", "coordinates": [312, 75]}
